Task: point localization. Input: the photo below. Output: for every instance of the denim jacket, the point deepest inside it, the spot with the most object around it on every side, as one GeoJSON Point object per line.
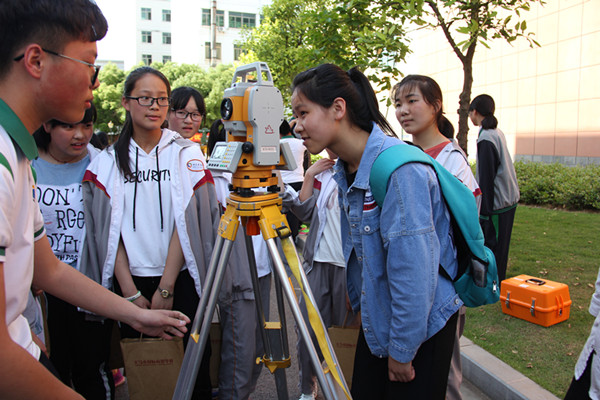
{"type": "Point", "coordinates": [393, 254]}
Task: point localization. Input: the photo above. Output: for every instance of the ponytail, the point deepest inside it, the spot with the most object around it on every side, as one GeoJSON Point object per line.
{"type": "Point", "coordinates": [445, 127]}
{"type": "Point", "coordinates": [122, 146]}
{"type": "Point", "coordinates": [323, 84]}
{"type": "Point", "coordinates": [371, 110]}
{"type": "Point", "coordinates": [484, 105]}
{"type": "Point", "coordinates": [489, 122]}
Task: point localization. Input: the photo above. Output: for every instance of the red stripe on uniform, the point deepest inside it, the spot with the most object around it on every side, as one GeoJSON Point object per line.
{"type": "Point", "coordinates": [93, 178]}
{"type": "Point", "coordinates": [369, 206]}
{"type": "Point", "coordinates": [207, 178]}
{"type": "Point", "coordinates": [317, 184]}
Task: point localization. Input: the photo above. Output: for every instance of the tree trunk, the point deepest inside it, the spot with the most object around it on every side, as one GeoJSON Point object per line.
{"type": "Point", "coordinates": [465, 101]}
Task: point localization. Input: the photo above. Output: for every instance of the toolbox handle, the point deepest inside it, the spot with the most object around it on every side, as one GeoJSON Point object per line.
{"type": "Point", "coordinates": [560, 304]}
{"type": "Point", "coordinates": [535, 281]}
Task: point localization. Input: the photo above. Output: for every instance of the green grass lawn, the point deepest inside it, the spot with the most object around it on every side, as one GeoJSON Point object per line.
{"type": "Point", "coordinates": [562, 246]}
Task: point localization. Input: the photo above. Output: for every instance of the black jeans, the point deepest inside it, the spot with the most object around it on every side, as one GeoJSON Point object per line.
{"type": "Point", "coordinates": [580, 389]}
{"type": "Point", "coordinates": [370, 379]}
{"type": "Point", "coordinates": [80, 349]}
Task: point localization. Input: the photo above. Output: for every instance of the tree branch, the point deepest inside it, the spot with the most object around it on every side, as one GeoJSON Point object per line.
{"type": "Point", "coordinates": [446, 30]}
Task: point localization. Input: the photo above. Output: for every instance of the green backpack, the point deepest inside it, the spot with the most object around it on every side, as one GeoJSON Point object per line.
{"type": "Point", "coordinates": [476, 281]}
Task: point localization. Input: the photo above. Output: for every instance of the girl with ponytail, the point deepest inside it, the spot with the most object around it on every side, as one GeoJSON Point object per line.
{"type": "Point", "coordinates": [497, 179]}
{"type": "Point", "coordinates": [151, 211]}
{"type": "Point", "coordinates": [419, 109]}
{"type": "Point", "coordinates": [393, 252]}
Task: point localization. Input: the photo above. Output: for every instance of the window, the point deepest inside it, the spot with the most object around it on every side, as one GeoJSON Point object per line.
{"type": "Point", "coordinates": [166, 37]}
{"type": "Point", "coordinates": [207, 51]}
{"type": "Point", "coordinates": [166, 59]}
{"type": "Point", "coordinates": [147, 59]}
{"type": "Point", "coordinates": [146, 14]}
{"type": "Point", "coordinates": [241, 20]}
{"type": "Point", "coordinates": [237, 52]}
{"type": "Point", "coordinates": [220, 18]}
{"type": "Point", "coordinates": [146, 37]}
{"type": "Point", "coordinates": [166, 14]}
{"type": "Point", "coordinates": [206, 17]}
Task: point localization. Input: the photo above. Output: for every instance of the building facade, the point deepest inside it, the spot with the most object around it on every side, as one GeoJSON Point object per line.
{"type": "Point", "coordinates": [182, 31]}
{"type": "Point", "coordinates": [547, 98]}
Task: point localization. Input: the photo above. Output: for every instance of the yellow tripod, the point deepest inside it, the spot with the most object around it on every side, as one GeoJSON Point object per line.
{"type": "Point", "coordinates": [261, 214]}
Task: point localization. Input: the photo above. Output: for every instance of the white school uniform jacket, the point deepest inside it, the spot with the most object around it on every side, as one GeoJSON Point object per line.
{"type": "Point", "coordinates": [592, 345]}
{"type": "Point", "coordinates": [454, 160]}
{"type": "Point", "coordinates": [193, 201]}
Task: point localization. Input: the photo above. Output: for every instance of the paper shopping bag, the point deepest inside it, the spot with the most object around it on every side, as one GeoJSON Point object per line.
{"type": "Point", "coordinates": [343, 339]}
{"type": "Point", "coordinates": [152, 367]}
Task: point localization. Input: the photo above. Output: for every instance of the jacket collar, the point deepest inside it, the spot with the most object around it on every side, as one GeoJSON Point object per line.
{"type": "Point", "coordinates": [377, 142]}
{"type": "Point", "coordinates": [17, 131]}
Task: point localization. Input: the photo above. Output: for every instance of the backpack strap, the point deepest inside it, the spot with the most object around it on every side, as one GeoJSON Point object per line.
{"type": "Point", "coordinates": [387, 162]}
{"type": "Point", "coordinates": [458, 197]}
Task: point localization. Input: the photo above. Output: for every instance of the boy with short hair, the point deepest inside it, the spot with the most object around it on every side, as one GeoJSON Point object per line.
{"type": "Point", "coordinates": [47, 53]}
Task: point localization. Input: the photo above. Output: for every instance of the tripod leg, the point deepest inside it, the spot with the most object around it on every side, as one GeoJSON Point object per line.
{"type": "Point", "coordinates": [309, 293]}
{"type": "Point", "coordinates": [283, 338]}
{"type": "Point", "coordinates": [195, 347]}
{"type": "Point", "coordinates": [302, 327]}
{"type": "Point", "coordinates": [276, 335]}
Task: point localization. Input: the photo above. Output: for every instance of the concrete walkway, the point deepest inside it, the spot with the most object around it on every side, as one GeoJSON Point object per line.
{"type": "Point", "coordinates": [496, 379]}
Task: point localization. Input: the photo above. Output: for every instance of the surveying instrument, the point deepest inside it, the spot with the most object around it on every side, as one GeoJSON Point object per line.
{"type": "Point", "coordinates": [252, 112]}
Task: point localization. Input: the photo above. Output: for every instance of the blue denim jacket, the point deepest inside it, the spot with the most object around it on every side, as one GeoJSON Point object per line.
{"type": "Point", "coordinates": [394, 253]}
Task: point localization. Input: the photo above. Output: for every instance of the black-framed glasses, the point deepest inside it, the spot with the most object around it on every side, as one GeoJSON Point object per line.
{"type": "Point", "coordinates": [182, 114]}
{"type": "Point", "coordinates": [54, 53]}
{"type": "Point", "coordinates": [147, 101]}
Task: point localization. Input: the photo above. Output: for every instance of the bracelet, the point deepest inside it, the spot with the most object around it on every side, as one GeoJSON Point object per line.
{"type": "Point", "coordinates": [134, 297]}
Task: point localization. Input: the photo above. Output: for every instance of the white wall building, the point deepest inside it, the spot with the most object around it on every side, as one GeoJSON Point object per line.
{"type": "Point", "coordinates": [175, 30]}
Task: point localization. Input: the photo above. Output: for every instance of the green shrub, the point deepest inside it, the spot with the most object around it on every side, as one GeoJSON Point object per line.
{"type": "Point", "coordinates": [573, 188]}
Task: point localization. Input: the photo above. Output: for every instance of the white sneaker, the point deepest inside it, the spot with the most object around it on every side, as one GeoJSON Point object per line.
{"type": "Point", "coordinates": [307, 396]}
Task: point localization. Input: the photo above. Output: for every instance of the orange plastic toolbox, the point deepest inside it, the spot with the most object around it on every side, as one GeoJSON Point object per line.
{"type": "Point", "coordinates": [536, 300]}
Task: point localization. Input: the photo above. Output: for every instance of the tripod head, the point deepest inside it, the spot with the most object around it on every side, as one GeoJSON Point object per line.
{"type": "Point", "coordinates": [252, 112]}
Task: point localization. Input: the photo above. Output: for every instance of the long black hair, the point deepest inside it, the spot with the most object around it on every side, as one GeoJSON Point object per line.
{"type": "Point", "coordinates": [122, 144]}
{"type": "Point", "coordinates": [216, 134]}
{"type": "Point", "coordinates": [181, 96]}
{"type": "Point", "coordinates": [323, 84]}
{"type": "Point", "coordinates": [432, 93]}
{"type": "Point", "coordinates": [484, 105]}
{"type": "Point", "coordinates": [42, 137]}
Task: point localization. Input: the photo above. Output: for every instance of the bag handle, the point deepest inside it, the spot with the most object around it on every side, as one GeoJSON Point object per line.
{"type": "Point", "coordinates": [535, 281]}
